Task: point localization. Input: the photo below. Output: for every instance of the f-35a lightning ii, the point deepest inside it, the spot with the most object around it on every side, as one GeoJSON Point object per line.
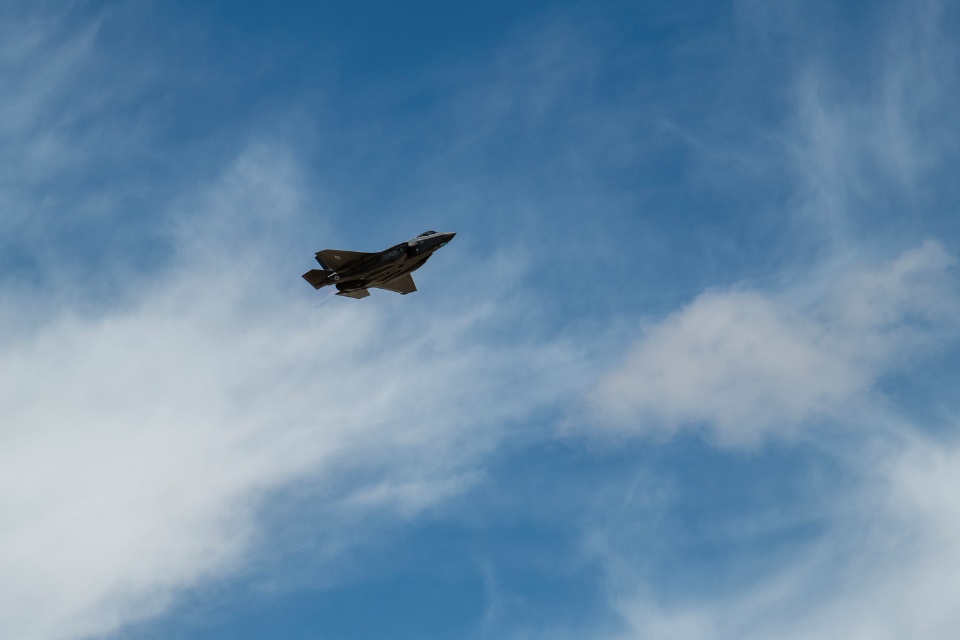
{"type": "Point", "coordinates": [354, 272]}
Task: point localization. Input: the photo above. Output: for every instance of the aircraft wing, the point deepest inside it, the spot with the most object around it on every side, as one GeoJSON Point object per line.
{"type": "Point", "coordinates": [403, 284]}
{"type": "Point", "coordinates": [334, 259]}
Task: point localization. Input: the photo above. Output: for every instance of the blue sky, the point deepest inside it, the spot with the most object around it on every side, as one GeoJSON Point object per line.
{"type": "Point", "coordinates": [688, 370]}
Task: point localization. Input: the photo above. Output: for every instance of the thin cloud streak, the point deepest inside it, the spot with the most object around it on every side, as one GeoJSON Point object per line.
{"type": "Point", "coordinates": [885, 571]}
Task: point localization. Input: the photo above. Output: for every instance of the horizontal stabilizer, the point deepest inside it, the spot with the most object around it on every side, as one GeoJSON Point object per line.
{"type": "Point", "coordinates": [356, 293]}
{"type": "Point", "coordinates": [316, 277]}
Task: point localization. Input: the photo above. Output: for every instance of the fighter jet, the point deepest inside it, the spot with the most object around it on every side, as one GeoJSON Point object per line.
{"type": "Point", "coordinates": [354, 272]}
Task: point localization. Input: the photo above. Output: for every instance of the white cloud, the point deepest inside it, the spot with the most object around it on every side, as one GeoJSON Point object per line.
{"type": "Point", "coordinates": [137, 441]}
{"type": "Point", "coordinates": [745, 365]}
{"type": "Point", "coordinates": [141, 436]}
{"type": "Point", "coordinates": [871, 147]}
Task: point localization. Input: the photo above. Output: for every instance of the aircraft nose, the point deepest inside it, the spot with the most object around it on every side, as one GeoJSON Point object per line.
{"type": "Point", "coordinates": [442, 239]}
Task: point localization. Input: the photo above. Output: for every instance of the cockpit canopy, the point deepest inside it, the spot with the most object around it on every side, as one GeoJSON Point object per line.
{"type": "Point", "coordinates": [426, 233]}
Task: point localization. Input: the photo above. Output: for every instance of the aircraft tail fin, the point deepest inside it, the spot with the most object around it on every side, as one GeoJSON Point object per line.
{"type": "Point", "coordinates": [317, 277]}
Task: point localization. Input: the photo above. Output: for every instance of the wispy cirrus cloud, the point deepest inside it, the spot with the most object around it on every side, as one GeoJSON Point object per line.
{"type": "Point", "coordinates": [144, 432]}
{"type": "Point", "coordinates": [145, 436]}
{"type": "Point", "coordinates": [821, 356]}
{"type": "Point", "coordinates": [884, 570]}
{"type": "Point", "coordinates": [139, 440]}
